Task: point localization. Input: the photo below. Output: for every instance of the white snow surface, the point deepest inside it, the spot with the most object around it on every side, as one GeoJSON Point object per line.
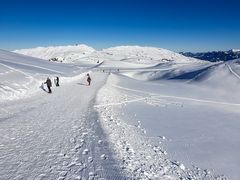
{"type": "Point", "coordinates": [139, 119]}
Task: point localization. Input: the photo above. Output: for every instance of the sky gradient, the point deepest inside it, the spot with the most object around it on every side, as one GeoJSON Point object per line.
{"type": "Point", "coordinates": [178, 25]}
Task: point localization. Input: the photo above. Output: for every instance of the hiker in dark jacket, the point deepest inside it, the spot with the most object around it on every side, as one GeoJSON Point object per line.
{"type": "Point", "coordinates": [89, 79]}
{"type": "Point", "coordinates": [49, 85]}
{"type": "Point", "coordinates": [57, 81]}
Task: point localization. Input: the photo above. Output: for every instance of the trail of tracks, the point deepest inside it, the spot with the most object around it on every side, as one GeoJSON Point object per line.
{"type": "Point", "coordinates": [55, 136]}
{"type": "Point", "coordinates": [232, 71]}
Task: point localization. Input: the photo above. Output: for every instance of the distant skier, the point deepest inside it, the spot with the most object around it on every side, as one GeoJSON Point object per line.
{"type": "Point", "coordinates": [88, 79]}
{"type": "Point", "coordinates": [57, 81]}
{"type": "Point", "coordinates": [49, 85]}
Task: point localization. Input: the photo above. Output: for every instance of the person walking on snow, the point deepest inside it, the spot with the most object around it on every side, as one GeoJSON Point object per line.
{"type": "Point", "coordinates": [57, 81]}
{"type": "Point", "coordinates": [49, 85]}
{"type": "Point", "coordinates": [88, 79]}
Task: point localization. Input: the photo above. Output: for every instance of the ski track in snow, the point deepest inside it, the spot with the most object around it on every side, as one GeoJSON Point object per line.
{"type": "Point", "coordinates": [11, 89]}
{"type": "Point", "coordinates": [165, 96]}
{"type": "Point", "coordinates": [29, 65]}
{"type": "Point", "coordinates": [232, 71]}
{"type": "Point", "coordinates": [56, 136]}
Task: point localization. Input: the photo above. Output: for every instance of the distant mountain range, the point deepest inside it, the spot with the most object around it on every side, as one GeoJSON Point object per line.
{"type": "Point", "coordinates": [215, 55]}
{"type": "Point", "coordinates": [128, 54]}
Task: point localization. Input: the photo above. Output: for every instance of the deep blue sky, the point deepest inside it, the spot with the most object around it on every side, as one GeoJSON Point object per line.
{"type": "Point", "coordinates": [179, 25]}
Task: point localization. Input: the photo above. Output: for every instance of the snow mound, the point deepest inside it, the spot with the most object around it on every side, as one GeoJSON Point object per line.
{"type": "Point", "coordinates": [59, 53]}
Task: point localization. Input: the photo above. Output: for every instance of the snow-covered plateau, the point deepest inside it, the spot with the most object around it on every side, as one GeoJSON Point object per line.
{"type": "Point", "coordinates": [149, 113]}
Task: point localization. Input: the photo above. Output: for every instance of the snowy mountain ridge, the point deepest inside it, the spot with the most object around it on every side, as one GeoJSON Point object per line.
{"type": "Point", "coordinates": [215, 56]}
{"type": "Point", "coordinates": [145, 55]}
{"type": "Point", "coordinates": [235, 50]}
{"type": "Point", "coordinates": [59, 53]}
{"type": "Point", "coordinates": [132, 54]}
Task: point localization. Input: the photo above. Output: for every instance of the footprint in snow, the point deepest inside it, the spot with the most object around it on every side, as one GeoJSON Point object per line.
{"type": "Point", "coordinates": [41, 176]}
{"type": "Point", "coordinates": [71, 164]}
{"type": "Point", "coordinates": [144, 131]}
{"type": "Point", "coordinates": [65, 163]}
{"type": "Point", "coordinates": [103, 156]}
{"type": "Point", "coordinates": [90, 159]}
{"type": "Point", "coordinates": [182, 167]}
{"type": "Point", "coordinates": [91, 175]}
{"type": "Point", "coordinates": [85, 152]}
{"type": "Point", "coordinates": [100, 142]}
{"type": "Point", "coordinates": [63, 173]}
{"type": "Point", "coordinates": [84, 134]}
{"type": "Point", "coordinates": [61, 178]}
{"type": "Point", "coordinates": [81, 168]}
{"type": "Point", "coordinates": [77, 178]}
{"type": "Point", "coordinates": [78, 146]}
{"type": "Point", "coordinates": [44, 152]}
{"type": "Point", "coordinates": [73, 140]}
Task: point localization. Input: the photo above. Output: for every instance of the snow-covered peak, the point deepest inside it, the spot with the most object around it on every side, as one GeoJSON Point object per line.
{"type": "Point", "coordinates": [235, 50]}
{"type": "Point", "coordinates": [145, 55]}
{"type": "Point", "coordinates": [60, 53]}
{"type": "Point", "coordinates": [128, 54]}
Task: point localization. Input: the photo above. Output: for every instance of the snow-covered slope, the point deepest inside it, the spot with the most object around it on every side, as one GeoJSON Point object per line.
{"type": "Point", "coordinates": [208, 74]}
{"type": "Point", "coordinates": [192, 103]}
{"type": "Point", "coordinates": [61, 53]}
{"type": "Point", "coordinates": [193, 113]}
{"type": "Point", "coordinates": [22, 75]}
{"type": "Point", "coordinates": [181, 122]}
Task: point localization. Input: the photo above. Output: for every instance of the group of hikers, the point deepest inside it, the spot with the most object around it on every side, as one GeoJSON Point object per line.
{"type": "Point", "coordinates": [56, 81]}
{"type": "Point", "coordinates": [49, 83]}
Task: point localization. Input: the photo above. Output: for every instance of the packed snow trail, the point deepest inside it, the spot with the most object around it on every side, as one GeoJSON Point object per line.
{"type": "Point", "coordinates": [56, 136]}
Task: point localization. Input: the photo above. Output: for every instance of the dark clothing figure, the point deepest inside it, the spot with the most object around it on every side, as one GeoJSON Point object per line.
{"type": "Point", "coordinates": [57, 81]}
{"type": "Point", "coordinates": [89, 79]}
{"type": "Point", "coordinates": [49, 85]}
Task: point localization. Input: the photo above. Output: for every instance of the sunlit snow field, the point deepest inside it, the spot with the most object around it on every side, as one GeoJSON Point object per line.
{"type": "Point", "coordinates": [159, 114]}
